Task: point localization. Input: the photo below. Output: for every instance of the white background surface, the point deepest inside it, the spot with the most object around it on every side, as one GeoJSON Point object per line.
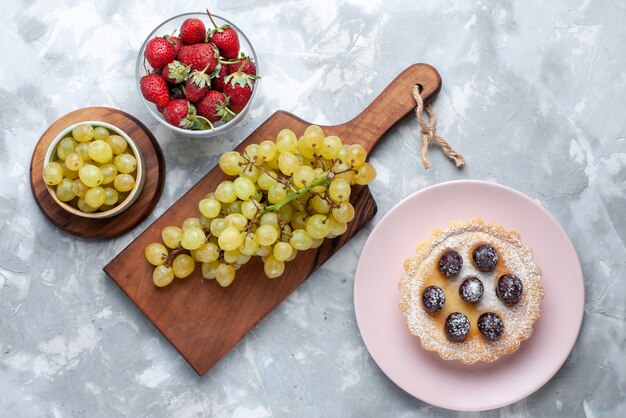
{"type": "Point", "coordinates": [533, 96]}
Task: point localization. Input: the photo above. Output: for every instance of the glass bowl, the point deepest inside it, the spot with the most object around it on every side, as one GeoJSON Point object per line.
{"type": "Point", "coordinates": [168, 27]}
{"type": "Point", "coordinates": [140, 176]}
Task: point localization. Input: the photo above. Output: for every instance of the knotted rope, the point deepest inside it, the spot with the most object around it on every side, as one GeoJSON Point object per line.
{"type": "Point", "coordinates": [429, 131]}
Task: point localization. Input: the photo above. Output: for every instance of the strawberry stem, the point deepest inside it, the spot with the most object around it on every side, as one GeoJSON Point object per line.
{"type": "Point", "coordinates": [211, 18]}
{"type": "Point", "coordinates": [202, 118]}
{"type": "Point", "coordinates": [226, 62]}
{"type": "Point", "coordinates": [168, 37]}
{"type": "Point", "coordinates": [245, 61]}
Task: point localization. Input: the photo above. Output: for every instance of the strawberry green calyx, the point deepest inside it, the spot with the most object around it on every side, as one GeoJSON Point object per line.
{"type": "Point", "coordinates": [201, 78]}
{"type": "Point", "coordinates": [223, 111]}
{"type": "Point", "coordinates": [169, 37]}
{"type": "Point", "coordinates": [190, 120]}
{"type": "Point", "coordinates": [194, 121]}
{"type": "Point", "coordinates": [240, 78]}
{"type": "Point", "coordinates": [216, 71]}
{"type": "Point", "coordinates": [217, 29]}
{"type": "Point", "coordinates": [175, 41]}
{"type": "Point", "coordinates": [243, 56]}
{"type": "Point", "coordinates": [178, 71]}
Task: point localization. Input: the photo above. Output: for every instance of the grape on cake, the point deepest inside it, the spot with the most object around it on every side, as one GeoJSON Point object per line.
{"type": "Point", "coordinates": [472, 292]}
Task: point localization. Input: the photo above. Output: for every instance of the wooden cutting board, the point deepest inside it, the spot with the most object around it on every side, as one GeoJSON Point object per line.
{"type": "Point", "coordinates": [201, 319]}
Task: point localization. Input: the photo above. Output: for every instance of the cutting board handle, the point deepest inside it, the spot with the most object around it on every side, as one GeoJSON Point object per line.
{"type": "Point", "coordinates": [393, 104]}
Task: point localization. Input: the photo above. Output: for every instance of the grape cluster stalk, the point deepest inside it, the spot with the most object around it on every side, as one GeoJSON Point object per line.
{"type": "Point", "coordinates": [285, 196]}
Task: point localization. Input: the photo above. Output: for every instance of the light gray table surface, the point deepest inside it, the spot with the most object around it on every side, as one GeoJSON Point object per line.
{"type": "Point", "coordinates": [534, 96]}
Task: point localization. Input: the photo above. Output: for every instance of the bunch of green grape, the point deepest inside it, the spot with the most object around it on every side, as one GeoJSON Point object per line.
{"type": "Point", "coordinates": [286, 196]}
{"type": "Point", "coordinates": [92, 169]}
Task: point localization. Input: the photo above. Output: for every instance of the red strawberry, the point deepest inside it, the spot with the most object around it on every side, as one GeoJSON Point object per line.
{"type": "Point", "coordinates": [192, 31]}
{"type": "Point", "coordinates": [248, 66]}
{"type": "Point", "coordinates": [182, 114]}
{"type": "Point", "coordinates": [226, 68]}
{"type": "Point", "coordinates": [160, 108]}
{"type": "Point", "coordinates": [175, 41]}
{"type": "Point", "coordinates": [238, 86]}
{"type": "Point", "coordinates": [197, 85]}
{"type": "Point", "coordinates": [214, 107]}
{"type": "Point", "coordinates": [176, 72]}
{"type": "Point", "coordinates": [218, 83]}
{"type": "Point", "coordinates": [154, 89]}
{"type": "Point", "coordinates": [239, 96]}
{"type": "Point", "coordinates": [199, 56]}
{"type": "Point", "coordinates": [159, 52]}
{"type": "Point", "coordinates": [225, 38]}
{"type": "Point", "coordinates": [176, 112]}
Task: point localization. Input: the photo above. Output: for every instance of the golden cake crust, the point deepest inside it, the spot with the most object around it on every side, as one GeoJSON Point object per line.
{"type": "Point", "coordinates": [518, 318]}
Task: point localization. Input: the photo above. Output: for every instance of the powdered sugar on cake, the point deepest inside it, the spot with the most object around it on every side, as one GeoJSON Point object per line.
{"type": "Point", "coordinates": [518, 318]}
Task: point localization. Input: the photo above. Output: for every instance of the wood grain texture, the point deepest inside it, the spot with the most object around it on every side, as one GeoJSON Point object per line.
{"type": "Point", "coordinates": [204, 321]}
{"type": "Point", "coordinates": [108, 227]}
{"type": "Point", "coordinates": [390, 107]}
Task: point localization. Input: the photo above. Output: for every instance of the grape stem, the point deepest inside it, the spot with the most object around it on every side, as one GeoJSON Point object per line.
{"type": "Point", "coordinates": [277, 178]}
{"type": "Point", "coordinates": [252, 221]}
{"type": "Point", "coordinates": [331, 203]}
{"type": "Point", "coordinates": [346, 170]}
{"type": "Point", "coordinates": [172, 255]}
{"type": "Point", "coordinates": [323, 180]}
{"type": "Point", "coordinates": [319, 162]}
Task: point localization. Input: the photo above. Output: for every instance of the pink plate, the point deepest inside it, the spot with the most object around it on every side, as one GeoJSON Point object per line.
{"type": "Point", "coordinates": [450, 384]}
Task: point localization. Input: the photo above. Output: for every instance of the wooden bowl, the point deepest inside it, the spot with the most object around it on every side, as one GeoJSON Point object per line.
{"type": "Point", "coordinates": [132, 196]}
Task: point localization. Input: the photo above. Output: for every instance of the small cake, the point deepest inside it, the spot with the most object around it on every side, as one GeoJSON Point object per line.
{"type": "Point", "coordinates": [472, 292]}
